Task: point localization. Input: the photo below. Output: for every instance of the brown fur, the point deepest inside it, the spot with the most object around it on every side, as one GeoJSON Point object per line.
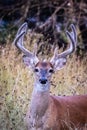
{"type": "Point", "coordinates": [57, 113]}
{"type": "Point", "coordinates": [44, 65]}
{"type": "Point", "coordinates": [49, 112]}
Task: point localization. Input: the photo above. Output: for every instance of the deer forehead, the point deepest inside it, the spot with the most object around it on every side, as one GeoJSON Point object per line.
{"type": "Point", "coordinates": [44, 65]}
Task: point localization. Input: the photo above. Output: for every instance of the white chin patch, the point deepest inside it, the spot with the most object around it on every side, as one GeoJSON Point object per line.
{"type": "Point", "coordinates": [41, 87]}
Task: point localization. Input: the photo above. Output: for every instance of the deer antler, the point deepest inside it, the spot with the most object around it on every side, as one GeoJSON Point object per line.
{"type": "Point", "coordinates": [19, 42]}
{"type": "Point", "coordinates": [72, 36]}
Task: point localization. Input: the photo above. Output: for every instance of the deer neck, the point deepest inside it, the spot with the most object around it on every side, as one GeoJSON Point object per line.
{"type": "Point", "coordinates": [40, 100]}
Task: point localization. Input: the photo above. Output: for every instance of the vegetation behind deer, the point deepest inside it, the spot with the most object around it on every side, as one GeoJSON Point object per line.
{"type": "Point", "coordinates": [16, 82]}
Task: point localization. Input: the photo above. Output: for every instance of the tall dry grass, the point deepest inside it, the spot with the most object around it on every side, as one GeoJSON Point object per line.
{"type": "Point", "coordinates": [16, 84]}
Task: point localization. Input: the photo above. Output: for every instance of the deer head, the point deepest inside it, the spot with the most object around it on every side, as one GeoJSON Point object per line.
{"type": "Point", "coordinates": [42, 69]}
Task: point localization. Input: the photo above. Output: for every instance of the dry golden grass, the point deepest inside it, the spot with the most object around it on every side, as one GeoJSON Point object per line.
{"type": "Point", "coordinates": [16, 84]}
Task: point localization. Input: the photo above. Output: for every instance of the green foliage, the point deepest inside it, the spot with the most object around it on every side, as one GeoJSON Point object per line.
{"type": "Point", "coordinates": [7, 32]}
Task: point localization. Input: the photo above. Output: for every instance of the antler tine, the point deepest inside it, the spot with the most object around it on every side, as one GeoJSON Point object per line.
{"type": "Point", "coordinates": [19, 40]}
{"type": "Point", "coordinates": [35, 49]}
{"type": "Point", "coordinates": [54, 58]}
{"type": "Point", "coordinates": [19, 45]}
{"type": "Point", "coordinates": [72, 36]}
{"type": "Point", "coordinates": [23, 27]}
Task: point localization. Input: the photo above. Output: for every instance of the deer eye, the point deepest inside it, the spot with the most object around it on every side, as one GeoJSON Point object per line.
{"type": "Point", "coordinates": [36, 70]}
{"type": "Point", "coordinates": [51, 71]}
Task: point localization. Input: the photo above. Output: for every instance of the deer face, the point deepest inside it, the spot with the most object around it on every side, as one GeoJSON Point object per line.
{"type": "Point", "coordinates": [43, 72]}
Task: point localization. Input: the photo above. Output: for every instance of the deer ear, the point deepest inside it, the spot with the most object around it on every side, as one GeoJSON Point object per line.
{"type": "Point", "coordinates": [30, 61]}
{"type": "Point", "coordinates": [27, 61]}
{"type": "Point", "coordinates": [59, 63]}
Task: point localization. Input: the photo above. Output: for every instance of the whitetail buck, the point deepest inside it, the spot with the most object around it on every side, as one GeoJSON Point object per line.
{"type": "Point", "coordinates": [48, 112]}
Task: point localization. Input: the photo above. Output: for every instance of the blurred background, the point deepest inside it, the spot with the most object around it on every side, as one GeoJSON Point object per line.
{"type": "Point", "coordinates": [47, 21]}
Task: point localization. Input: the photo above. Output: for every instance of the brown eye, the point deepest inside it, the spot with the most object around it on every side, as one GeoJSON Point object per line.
{"type": "Point", "coordinates": [36, 70]}
{"type": "Point", "coordinates": [51, 71]}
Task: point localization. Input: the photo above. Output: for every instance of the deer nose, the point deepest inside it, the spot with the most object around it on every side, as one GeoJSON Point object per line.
{"type": "Point", "coordinates": [43, 81]}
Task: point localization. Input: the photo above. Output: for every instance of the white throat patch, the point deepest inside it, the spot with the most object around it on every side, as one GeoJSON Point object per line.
{"type": "Point", "coordinates": [41, 87]}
